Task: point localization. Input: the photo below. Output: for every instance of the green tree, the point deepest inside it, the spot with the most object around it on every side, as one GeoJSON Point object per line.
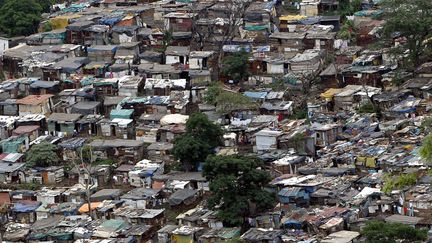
{"type": "Point", "coordinates": [46, 5]}
{"type": "Point", "coordinates": [236, 66]}
{"type": "Point", "coordinates": [200, 139]}
{"type": "Point", "coordinates": [42, 155]}
{"type": "Point", "coordinates": [349, 7]}
{"type": "Point", "coordinates": [20, 17]}
{"type": "Point", "coordinates": [412, 20]}
{"type": "Point", "coordinates": [379, 231]}
{"type": "Point", "coordinates": [236, 183]}
{"type": "Point", "coordinates": [227, 102]}
{"type": "Point", "coordinates": [212, 93]}
{"type": "Point", "coordinates": [347, 31]}
{"type": "Point", "coordinates": [190, 151]}
{"type": "Point", "coordinates": [201, 128]}
{"type": "Point", "coordinates": [426, 148]}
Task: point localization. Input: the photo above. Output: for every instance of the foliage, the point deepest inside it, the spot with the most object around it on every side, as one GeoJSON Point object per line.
{"type": "Point", "coordinates": [397, 80]}
{"type": "Point", "coordinates": [349, 7]}
{"type": "Point", "coordinates": [299, 113]}
{"type": "Point", "coordinates": [212, 93]}
{"type": "Point", "coordinates": [47, 26]}
{"type": "Point", "coordinates": [200, 127]}
{"type": "Point", "coordinates": [237, 182]}
{"type": "Point", "coordinates": [426, 148]}
{"type": "Point", "coordinates": [201, 137]}
{"type": "Point", "coordinates": [236, 66]}
{"type": "Point", "coordinates": [228, 102]}
{"type": "Point", "coordinates": [190, 151]}
{"type": "Point", "coordinates": [367, 107]}
{"type": "Point", "coordinates": [399, 182]}
{"type": "Point", "coordinates": [176, 166]}
{"type": "Point", "coordinates": [42, 155]}
{"type": "Point", "coordinates": [20, 17]}
{"type": "Point", "coordinates": [2, 76]}
{"type": "Point", "coordinates": [347, 31]}
{"type": "Point", "coordinates": [412, 20]}
{"type": "Point", "coordinates": [46, 5]}
{"type": "Point", "coordinates": [85, 154]}
{"type": "Point", "coordinates": [28, 186]}
{"type": "Point", "coordinates": [426, 125]}
{"type": "Point", "coordinates": [379, 231]}
{"type": "Point", "coordinates": [166, 41]}
{"type": "Point", "coordinates": [277, 85]}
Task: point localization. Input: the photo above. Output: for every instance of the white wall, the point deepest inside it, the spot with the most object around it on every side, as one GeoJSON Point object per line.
{"type": "Point", "coordinates": [4, 45]}
{"type": "Point", "coordinates": [172, 59]}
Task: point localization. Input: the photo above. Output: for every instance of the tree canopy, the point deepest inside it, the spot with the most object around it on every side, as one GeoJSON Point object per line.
{"type": "Point", "coordinates": [20, 17]}
{"type": "Point", "coordinates": [410, 20]}
{"type": "Point", "coordinates": [212, 94]}
{"type": "Point", "coordinates": [42, 155]}
{"type": "Point", "coordinates": [379, 231]}
{"type": "Point", "coordinates": [201, 137]}
{"type": "Point", "coordinates": [190, 151]}
{"type": "Point", "coordinates": [236, 183]}
{"type": "Point", "coordinates": [227, 102]}
{"type": "Point", "coordinates": [46, 5]}
{"type": "Point", "coordinates": [236, 66]}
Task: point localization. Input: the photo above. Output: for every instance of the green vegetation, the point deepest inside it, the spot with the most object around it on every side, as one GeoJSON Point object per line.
{"type": "Point", "coordinates": [28, 186]}
{"type": "Point", "coordinates": [426, 148]}
{"type": "Point", "coordinates": [190, 151]}
{"type": "Point", "coordinates": [379, 231]}
{"type": "Point", "coordinates": [397, 80]}
{"type": "Point", "coordinates": [392, 182]}
{"type": "Point", "coordinates": [236, 183]}
{"type": "Point", "coordinates": [426, 125]}
{"type": "Point", "coordinates": [299, 113]}
{"type": "Point", "coordinates": [347, 31]}
{"type": "Point", "coordinates": [348, 7]}
{"type": "Point", "coordinates": [200, 139]}
{"type": "Point", "coordinates": [42, 155]}
{"type": "Point", "coordinates": [236, 66]}
{"type": "Point", "coordinates": [412, 20]}
{"type": "Point", "coordinates": [46, 5]}
{"type": "Point", "coordinates": [47, 26]}
{"type": "Point", "coordinates": [20, 17]}
{"type": "Point", "coordinates": [277, 85]}
{"type": "Point", "coordinates": [367, 107]}
{"type": "Point", "coordinates": [228, 102]}
{"type": "Point", "coordinates": [212, 93]}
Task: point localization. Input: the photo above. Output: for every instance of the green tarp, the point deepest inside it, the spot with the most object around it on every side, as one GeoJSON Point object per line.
{"type": "Point", "coordinates": [123, 114]}
{"type": "Point", "coordinates": [13, 145]}
{"type": "Point", "coordinates": [256, 27]}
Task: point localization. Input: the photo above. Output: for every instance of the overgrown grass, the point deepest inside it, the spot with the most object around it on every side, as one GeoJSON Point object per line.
{"type": "Point", "coordinates": [392, 182]}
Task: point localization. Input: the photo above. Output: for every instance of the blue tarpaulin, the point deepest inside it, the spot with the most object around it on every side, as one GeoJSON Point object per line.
{"type": "Point", "coordinates": [255, 95]}
{"type": "Point", "coordinates": [111, 21]}
{"type": "Point", "coordinates": [25, 207]}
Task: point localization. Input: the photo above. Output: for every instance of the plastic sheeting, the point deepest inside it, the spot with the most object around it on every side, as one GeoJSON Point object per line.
{"type": "Point", "coordinates": [25, 207]}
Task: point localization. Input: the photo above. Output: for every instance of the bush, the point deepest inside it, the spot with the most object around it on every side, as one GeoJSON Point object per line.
{"type": "Point", "coordinates": [379, 231]}
{"type": "Point", "coordinates": [366, 108]}
{"type": "Point", "coordinates": [391, 183]}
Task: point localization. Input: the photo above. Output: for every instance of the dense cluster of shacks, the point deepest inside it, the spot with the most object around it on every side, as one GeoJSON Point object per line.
{"type": "Point", "coordinates": [123, 76]}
